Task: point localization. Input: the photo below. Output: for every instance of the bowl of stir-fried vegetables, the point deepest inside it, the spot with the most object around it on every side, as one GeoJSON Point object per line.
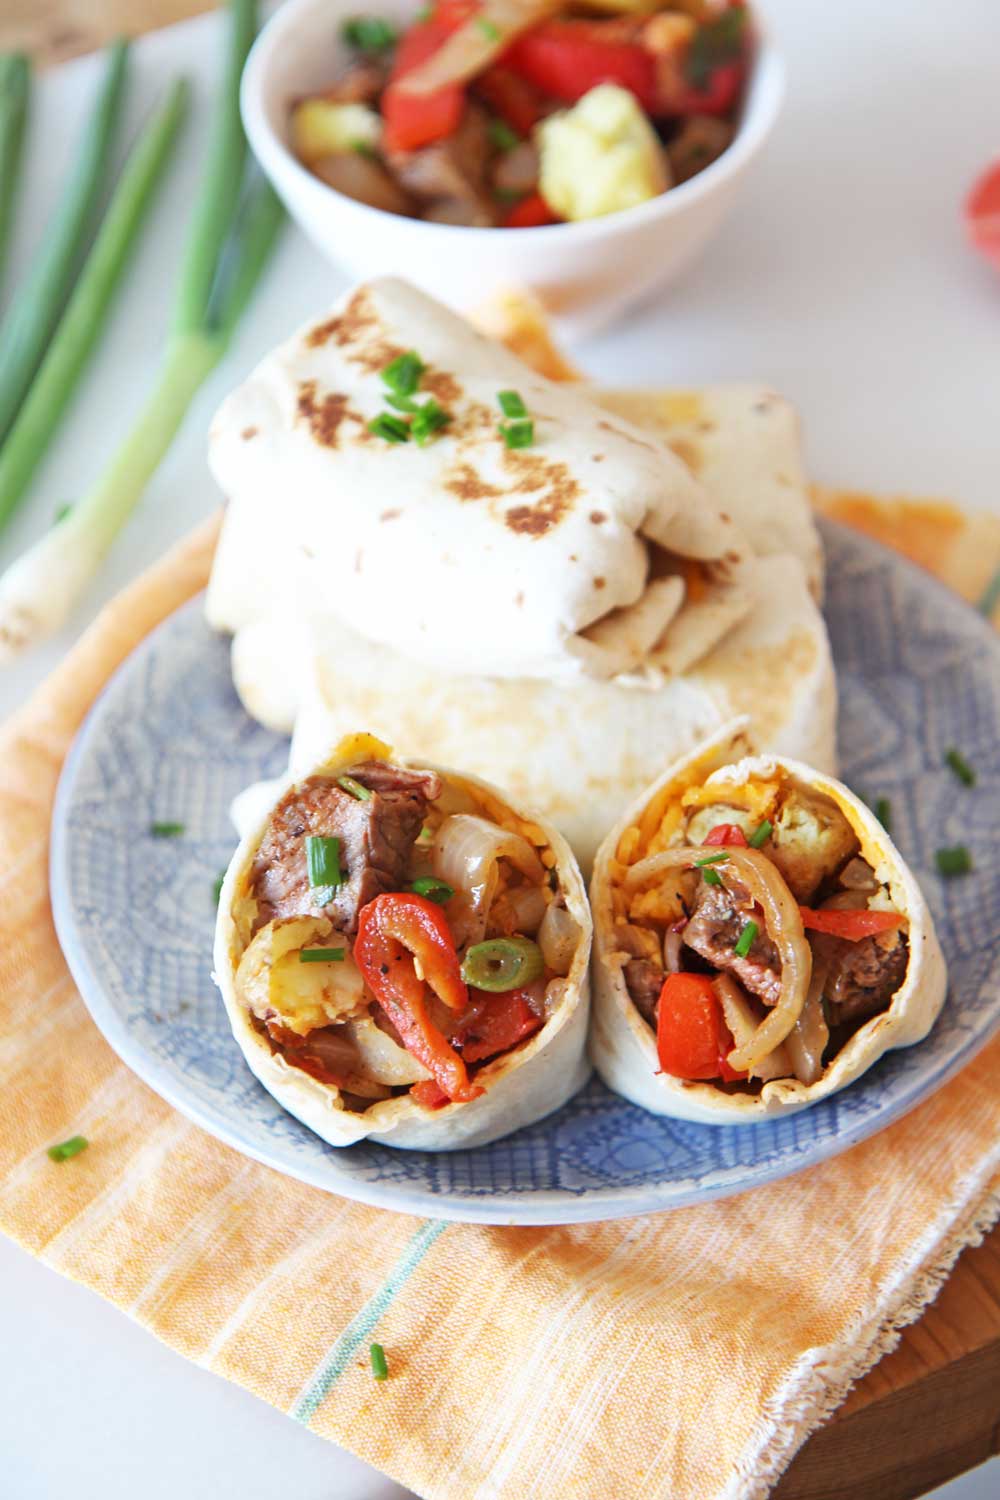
{"type": "Point", "coordinates": [611, 133]}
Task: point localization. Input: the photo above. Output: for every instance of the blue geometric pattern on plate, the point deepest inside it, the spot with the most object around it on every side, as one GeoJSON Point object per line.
{"type": "Point", "coordinates": [168, 740]}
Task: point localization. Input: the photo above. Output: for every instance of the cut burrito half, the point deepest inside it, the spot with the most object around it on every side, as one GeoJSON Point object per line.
{"type": "Point", "coordinates": [403, 956]}
{"type": "Point", "coordinates": [759, 941]}
{"type": "Point", "coordinates": [390, 466]}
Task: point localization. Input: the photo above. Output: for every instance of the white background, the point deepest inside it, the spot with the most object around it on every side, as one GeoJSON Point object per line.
{"type": "Point", "coordinates": [843, 279]}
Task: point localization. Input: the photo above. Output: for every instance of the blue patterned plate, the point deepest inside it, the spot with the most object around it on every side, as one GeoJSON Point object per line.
{"type": "Point", "coordinates": [168, 741]}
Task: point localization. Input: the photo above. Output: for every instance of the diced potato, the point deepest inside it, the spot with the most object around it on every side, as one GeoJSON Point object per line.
{"type": "Point", "coordinates": [705, 819]}
{"type": "Point", "coordinates": [273, 982]}
{"type": "Point", "coordinates": [320, 128]}
{"type": "Point", "coordinates": [600, 156]}
{"type": "Point", "coordinates": [811, 839]}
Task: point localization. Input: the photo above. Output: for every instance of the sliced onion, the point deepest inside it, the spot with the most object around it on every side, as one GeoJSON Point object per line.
{"type": "Point", "coordinates": [766, 886]}
{"type": "Point", "coordinates": [673, 940]}
{"type": "Point", "coordinates": [743, 1024]}
{"type": "Point", "coordinates": [380, 1058]}
{"type": "Point", "coordinates": [476, 43]}
{"type": "Point", "coordinates": [465, 854]}
{"type": "Point", "coordinates": [527, 905]}
{"type": "Point", "coordinates": [558, 938]}
{"type": "Point", "coordinates": [810, 1034]}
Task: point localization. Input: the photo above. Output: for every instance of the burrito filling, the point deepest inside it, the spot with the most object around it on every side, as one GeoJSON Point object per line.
{"type": "Point", "coordinates": [755, 937]}
{"type": "Point", "coordinates": [406, 932]}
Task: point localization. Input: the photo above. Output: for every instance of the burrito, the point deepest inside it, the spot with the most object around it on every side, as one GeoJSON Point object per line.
{"type": "Point", "coordinates": [391, 467]}
{"type": "Point", "coordinates": [403, 957]}
{"type": "Point", "coordinates": [759, 941]}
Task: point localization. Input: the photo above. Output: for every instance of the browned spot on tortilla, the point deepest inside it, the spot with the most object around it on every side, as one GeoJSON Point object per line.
{"type": "Point", "coordinates": [519, 598]}
{"type": "Point", "coordinates": [599, 583]}
{"type": "Point", "coordinates": [358, 331]}
{"type": "Point", "coordinates": [688, 453]}
{"type": "Point", "coordinates": [724, 516]}
{"type": "Point", "coordinates": [466, 484]}
{"type": "Point", "coordinates": [471, 422]}
{"type": "Point", "coordinates": [441, 385]}
{"type": "Point", "coordinates": [629, 437]}
{"type": "Point", "coordinates": [597, 458]}
{"type": "Point", "coordinates": [552, 481]}
{"type": "Point", "coordinates": [248, 433]}
{"type": "Point", "coordinates": [390, 515]}
{"type": "Point", "coordinates": [597, 516]}
{"type": "Point", "coordinates": [326, 414]}
{"type": "Point", "coordinates": [706, 426]}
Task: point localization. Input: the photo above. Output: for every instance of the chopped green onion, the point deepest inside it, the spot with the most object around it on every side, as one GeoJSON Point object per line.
{"type": "Point", "coordinates": [956, 861]}
{"type": "Point", "coordinates": [426, 835]}
{"type": "Point", "coordinates": [427, 420]}
{"type": "Point", "coordinates": [355, 788]}
{"type": "Point", "coordinates": [166, 830]}
{"type": "Point", "coordinates": [504, 139]}
{"type": "Point", "coordinates": [82, 323]}
{"type": "Point", "coordinates": [321, 955]}
{"type": "Point", "coordinates": [15, 87]}
{"type": "Point", "coordinates": [380, 1367]}
{"type": "Point", "coordinates": [489, 28]}
{"type": "Point", "coordinates": [365, 149]}
{"type": "Point", "coordinates": [62, 513]}
{"type": "Point", "coordinates": [34, 311]}
{"type": "Point", "coordinates": [403, 403]}
{"type": "Point", "coordinates": [402, 375]}
{"type": "Point", "coordinates": [392, 429]}
{"type": "Point", "coordinates": [323, 864]}
{"type": "Point", "coordinates": [711, 859]}
{"type": "Point", "coordinates": [368, 34]}
{"type": "Point", "coordinates": [883, 811]}
{"type": "Point", "coordinates": [511, 404]}
{"type": "Point", "coordinates": [520, 434]}
{"type": "Point", "coordinates": [961, 767]}
{"type": "Point", "coordinates": [710, 876]}
{"type": "Point", "coordinates": [66, 1150]}
{"type": "Point", "coordinates": [761, 834]}
{"type": "Point", "coordinates": [502, 964]}
{"type": "Point", "coordinates": [745, 941]}
{"type": "Point", "coordinates": [434, 889]}
{"type": "Point", "coordinates": [217, 887]}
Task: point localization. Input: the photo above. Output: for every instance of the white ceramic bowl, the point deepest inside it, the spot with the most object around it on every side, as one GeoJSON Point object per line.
{"type": "Point", "coordinates": [585, 274]}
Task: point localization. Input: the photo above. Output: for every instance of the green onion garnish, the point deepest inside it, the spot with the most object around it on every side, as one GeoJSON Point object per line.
{"type": "Point", "coordinates": [511, 404]}
{"type": "Point", "coordinates": [15, 90]}
{"type": "Point", "coordinates": [434, 889]}
{"type": "Point", "coordinates": [392, 429]}
{"type": "Point", "coordinates": [427, 420]}
{"type": "Point", "coordinates": [62, 513]}
{"type": "Point", "coordinates": [956, 861]}
{"type": "Point", "coordinates": [710, 876]}
{"type": "Point", "coordinates": [67, 1149]}
{"type": "Point", "coordinates": [402, 375]}
{"type": "Point", "coordinates": [380, 1367]}
{"type": "Point", "coordinates": [504, 139]}
{"type": "Point", "coordinates": [489, 28]}
{"type": "Point", "coordinates": [761, 834]}
{"type": "Point", "coordinates": [217, 887]}
{"type": "Point", "coordinates": [745, 941]}
{"type": "Point", "coordinates": [321, 955]}
{"type": "Point", "coordinates": [520, 434]}
{"type": "Point", "coordinates": [323, 864]}
{"type": "Point", "coordinates": [355, 788]}
{"type": "Point", "coordinates": [961, 767]}
{"type": "Point", "coordinates": [712, 859]}
{"type": "Point", "coordinates": [166, 830]}
{"type": "Point", "coordinates": [883, 811]}
{"type": "Point", "coordinates": [502, 964]}
{"type": "Point", "coordinates": [368, 34]}
{"type": "Point", "coordinates": [426, 835]}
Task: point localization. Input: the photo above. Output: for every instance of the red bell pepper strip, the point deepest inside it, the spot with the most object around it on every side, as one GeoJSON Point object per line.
{"type": "Point", "coordinates": [852, 925]}
{"type": "Point", "coordinates": [530, 213]}
{"type": "Point", "coordinates": [692, 1038]}
{"type": "Point", "coordinates": [505, 1020]}
{"type": "Point", "coordinates": [415, 120]}
{"type": "Point", "coordinates": [982, 214]}
{"type": "Point", "coordinates": [451, 14]}
{"type": "Point", "coordinates": [718, 96]}
{"type": "Point", "coordinates": [727, 836]}
{"type": "Point", "coordinates": [427, 1094]}
{"type": "Point", "coordinates": [569, 58]}
{"type": "Point", "coordinates": [392, 931]}
{"type": "Point", "coordinates": [514, 99]}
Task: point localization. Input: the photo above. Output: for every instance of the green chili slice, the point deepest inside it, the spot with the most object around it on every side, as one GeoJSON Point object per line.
{"type": "Point", "coordinates": [355, 788]}
{"type": "Point", "coordinates": [503, 964]}
{"type": "Point", "coordinates": [745, 940]}
{"type": "Point", "coordinates": [434, 889]}
{"type": "Point", "coordinates": [761, 834]}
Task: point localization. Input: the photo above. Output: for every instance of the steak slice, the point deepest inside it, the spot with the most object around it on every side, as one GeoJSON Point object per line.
{"type": "Point", "coordinates": [644, 981]}
{"type": "Point", "coordinates": [864, 976]}
{"type": "Point", "coordinates": [720, 915]}
{"type": "Point", "coordinates": [376, 842]}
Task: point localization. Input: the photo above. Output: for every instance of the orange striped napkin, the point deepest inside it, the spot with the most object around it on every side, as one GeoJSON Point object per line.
{"type": "Point", "coordinates": [686, 1355]}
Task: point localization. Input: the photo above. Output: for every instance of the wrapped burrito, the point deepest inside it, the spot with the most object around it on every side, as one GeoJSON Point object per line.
{"type": "Point", "coordinates": [759, 941]}
{"type": "Point", "coordinates": [391, 467]}
{"type": "Point", "coordinates": [403, 956]}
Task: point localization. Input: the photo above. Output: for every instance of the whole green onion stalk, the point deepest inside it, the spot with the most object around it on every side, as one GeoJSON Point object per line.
{"type": "Point", "coordinates": [33, 313]}
{"type": "Point", "coordinates": [15, 88]}
{"type": "Point", "coordinates": [232, 235]}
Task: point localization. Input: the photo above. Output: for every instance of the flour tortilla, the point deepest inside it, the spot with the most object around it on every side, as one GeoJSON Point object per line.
{"type": "Point", "coordinates": [466, 556]}
{"type": "Point", "coordinates": [522, 1087]}
{"type": "Point", "coordinates": [622, 1044]}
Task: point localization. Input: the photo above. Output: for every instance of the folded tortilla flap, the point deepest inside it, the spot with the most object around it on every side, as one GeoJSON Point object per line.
{"type": "Point", "coordinates": [521, 1084]}
{"type": "Point", "coordinates": [462, 552]}
{"type": "Point", "coordinates": [724, 772]}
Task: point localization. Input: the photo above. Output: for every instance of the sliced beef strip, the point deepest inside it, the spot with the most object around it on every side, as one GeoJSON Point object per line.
{"type": "Point", "coordinates": [376, 842]}
{"type": "Point", "coordinates": [720, 915]}
{"type": "Point", "coordinates": [864, 976]}
{"type": "Point", "coordinates": [644, 981]}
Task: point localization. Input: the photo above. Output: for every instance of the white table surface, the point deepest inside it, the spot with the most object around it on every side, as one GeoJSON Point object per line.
{"type": "Point", "coordinates": [842, 279]}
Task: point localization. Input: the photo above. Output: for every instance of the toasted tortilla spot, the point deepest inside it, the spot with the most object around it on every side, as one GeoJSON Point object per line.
{"type": "Point", "coordinates": [597, 516]}
{"type": "Point", "coordinates": [534, 520]}
{"type": "Point", "coordinates": [599, 583]}
{"type": "Point", "coordinates": [326, 414]}
{"type": "Point", "coordinates": [248, 433]}
{"type": "Point", "coordinates": [519, 598]}
{"type": "Point", "coordinates": [688, 452]}
{"type": "Point", "coordinates": [532, 473]}
{"type": "Point", "coordinates": [390, 515]}
{"type": "Point", "coordinates": [463, 482]}
{"type": "Point", "coordinates": [441, 385]}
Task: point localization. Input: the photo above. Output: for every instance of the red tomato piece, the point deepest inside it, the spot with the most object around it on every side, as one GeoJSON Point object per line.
{"type": "Point", "coordinates": [982, 214]}
{"type": "Point", "coordinates": [505, 1020]}
{"type": "Point", "coordinates": [727, 836]}
{"type": "Point", "coordinates": [415, 120]}
{"type": "Point", "coordinates": [852, 925]}
{"type": "Point", "coordinates": [717, 98]}
{"type": "Point", "coordinates": [692, 1038]}
{"type": "Point", "coordinates": [569, 58]}
{"type": "Point", "coordinates": [514, 99]}
{"type": "Point", "coordinates": [530, 213]}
